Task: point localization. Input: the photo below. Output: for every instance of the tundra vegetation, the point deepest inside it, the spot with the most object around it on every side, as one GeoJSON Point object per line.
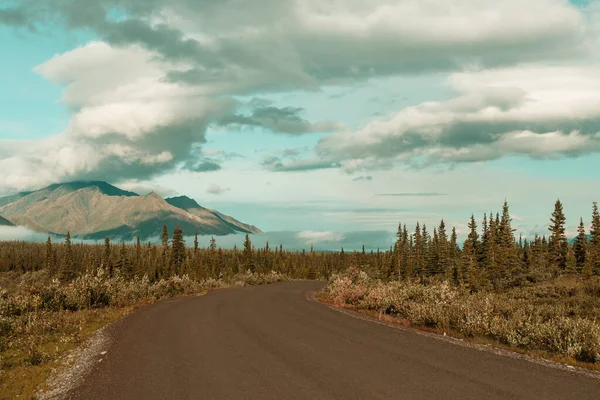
{"type": "Point", "coordinates": [538, 295]}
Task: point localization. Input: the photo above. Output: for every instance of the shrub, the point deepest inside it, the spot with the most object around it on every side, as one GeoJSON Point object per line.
{"type": "Point", "coordinates": [553, 319]}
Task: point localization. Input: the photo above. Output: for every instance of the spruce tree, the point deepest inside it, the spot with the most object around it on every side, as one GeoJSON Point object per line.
{"type": "Point", "coordinates": [558, 240]}
{"type": "Point", "coordinates": [49, 257]}
{"type": "Point", "coordinates": [138, 254]}
{"type": "Point", "coordinates": [247, 254]}
{"type": "Point", "coordinates": [508, 256]}
{"type": "Point", "coordinates": [106, 260]}
{"type": "Point", "coordinates": [454, 259]}
{"type": "Point", "coordinates": [419, 251]}
{"type": "Point", "coordinates": [491, 254]}
{"type": "Point", "coordinates": [473, 238]}
{"type": "Point", "coordinates": [443, 249]}
{"type": "Point", "coordinates": [594, 245]}
{"type": "Point", "coordinates": [67, 268]}
{"type": "Point", "coordinates": [165, 251]}
{"type": "Point", "coordinates": [177, 250]}
{"type": "Point", "coordinates": [580, 246]}
{"type": "Point", "coordinates": [124, 263]}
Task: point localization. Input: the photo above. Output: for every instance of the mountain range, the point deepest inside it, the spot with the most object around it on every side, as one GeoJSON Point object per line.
{"type": "Point", "coordinates": [94, 210]}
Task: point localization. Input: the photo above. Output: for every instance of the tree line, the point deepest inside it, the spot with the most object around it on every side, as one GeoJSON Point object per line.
{"type": "Point", "coordinates": [489, 258]}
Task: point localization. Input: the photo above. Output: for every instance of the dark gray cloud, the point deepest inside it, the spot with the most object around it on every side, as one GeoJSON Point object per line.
{"type": "Point", "coordinates": [202, 166]}
{"type": "Point", "coordinates": [290, 48]}
{"type": "Point", "coordinates": [276, 164]}
{"type": "Point", "coordinates": [278, 120]}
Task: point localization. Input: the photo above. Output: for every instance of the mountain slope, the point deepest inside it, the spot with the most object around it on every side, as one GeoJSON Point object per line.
{"type": "Point", "coordinates": [191, 206]}
{"type": "Point", "coordinates": [97, 209]}
{"type": "Point", "coordinates": [5, 222]}
{"type": "Point", "coordinates": [12, 198]}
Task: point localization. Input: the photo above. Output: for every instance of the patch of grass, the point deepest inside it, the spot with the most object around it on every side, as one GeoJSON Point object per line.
{"type": "Point", "coordinates": [26, 368]}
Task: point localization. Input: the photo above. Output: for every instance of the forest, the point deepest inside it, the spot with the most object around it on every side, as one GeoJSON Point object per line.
{"type": "Point", "coordinates": [489, 259]}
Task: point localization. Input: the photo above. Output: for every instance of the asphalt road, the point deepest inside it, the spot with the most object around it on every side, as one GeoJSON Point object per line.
{"type": "Point", "coordinates": [272, 342]}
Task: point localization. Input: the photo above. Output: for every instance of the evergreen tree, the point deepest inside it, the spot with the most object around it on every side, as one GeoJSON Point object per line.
{"type": "Point", "coordinates": [594, 245]}
{"type": "Point", "coordinates": [138, 254]}
{"type": "Point", "coordinates": [106, 260]}
{"type": "Point", "coordinates": [419, 251]}
{"type": "Point", "coordinates": [580, 246]}
{"type": "Point", "coordinates": [177, 250]}
{"type": "Point", "coordinates": [195, 243]}
{"type": "Point", "coordinates": [124, 263]}
{"type": "Point", "coordinates": [443, 250]}
{"type": "Point", "coordinates": [454, 259]}
{"type": "Point", "coordinates": [508, 258]}
{"type": "Point", "coordinates": [165, 237]}
{"type": "Point", "coordinates": [491, 254]}
{"type": "Point", "coordinates": [433, 259]}
{"type": "Point", "coordinates": [558, 240]}
{"type": "Point", "coordinates": [49, 256]}
{"type": "Point", "coordinates": [247, 254]}
{"type": "Point", "coordinates": [473, 238]}
{"type": "Point", "coordinates": [165, 251]}
{"type": "Point", "coordinates": [67, 268]}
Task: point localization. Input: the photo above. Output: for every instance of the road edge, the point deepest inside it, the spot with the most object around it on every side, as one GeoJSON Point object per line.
{"type": "Point", "coordinates": [312, 296]}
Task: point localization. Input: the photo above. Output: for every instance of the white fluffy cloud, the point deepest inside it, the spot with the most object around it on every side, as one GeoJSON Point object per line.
{"type": "Point", "coordinates": [535, 111]}
{"type": "Point", "coordinates": [143, 94]}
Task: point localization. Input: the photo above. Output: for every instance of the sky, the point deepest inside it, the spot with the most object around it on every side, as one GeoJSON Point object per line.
{"type": "Point", "coordinates": [326, 118]}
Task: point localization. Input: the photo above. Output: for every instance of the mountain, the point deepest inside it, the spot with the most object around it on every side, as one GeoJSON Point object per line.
{"type": "Point", "coordinates": [5, 222]}
{"type": "Point", "coordinates": [191, 206]}
{"type": "Point", "coordinates": [93, 210]}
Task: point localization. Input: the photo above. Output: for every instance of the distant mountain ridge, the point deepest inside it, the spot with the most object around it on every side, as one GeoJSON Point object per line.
{"type": "Point", "coordinates": [96, 209]}
{"type": "Point", "coordinates": [191, 206]}
{"type": "Point", "coordinates": [5, 222]}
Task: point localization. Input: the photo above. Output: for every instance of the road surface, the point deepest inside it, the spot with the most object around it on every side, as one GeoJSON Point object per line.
{"type": "Point", "coordinates": [272, 342]}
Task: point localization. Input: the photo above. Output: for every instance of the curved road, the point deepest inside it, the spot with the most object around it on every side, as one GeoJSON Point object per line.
{"type": "Point", "coordinates": [272, 342]}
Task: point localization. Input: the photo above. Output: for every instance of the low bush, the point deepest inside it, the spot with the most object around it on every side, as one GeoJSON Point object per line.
{"type": "Point", "coordinates": [558, 319]}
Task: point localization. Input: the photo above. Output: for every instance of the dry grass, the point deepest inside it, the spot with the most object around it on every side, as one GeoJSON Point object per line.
{"type": "Point", "coordinates": [42, 319]}
{"type": "Point", "coordinates": [557, 319]}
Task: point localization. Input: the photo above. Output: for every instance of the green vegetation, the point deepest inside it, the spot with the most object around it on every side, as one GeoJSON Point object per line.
{"type": "Point", "coordinates": [55, 296]}
{"type": "Point", "coordinates": [539, 296]}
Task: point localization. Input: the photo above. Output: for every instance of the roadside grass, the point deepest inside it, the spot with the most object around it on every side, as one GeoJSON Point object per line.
{"type": "Point", "coordinates": [27, 366]}
{"type": "Point", "coordinates": [558, 320]}
{"type": "Point", "coordinates": [42, 320]}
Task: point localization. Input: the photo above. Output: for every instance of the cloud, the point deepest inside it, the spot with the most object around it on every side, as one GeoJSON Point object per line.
{"type": "Point", "coordinates": [19, 233]}
{"type": "Point", "coordinates": [126, 123]}
{"type": "Point", "coordinates": [290, 45]}
{"type": "Point", "coordinates": [160, 72]}
{"type": "Point", "coordinates": [275, 164]}
{"type": "Point", "coordinates": [216, 189]}
{"type": "Point", "coordinates": [202, 166]}
{"type": "Point", "coordinates": [320, 240]}
{"type": "Point", "coordinates": [425, 194]}
{"type": "Point", "coordinates": [363, 178]}
{"type": "Point", "coordinates": [279, 120]}
{"type": "Point", "coordinates": [312, 237]}
{"type": "Point", "coordinates": [537, 112]}
{"type": "Point", "coordinates": [143, 188]}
